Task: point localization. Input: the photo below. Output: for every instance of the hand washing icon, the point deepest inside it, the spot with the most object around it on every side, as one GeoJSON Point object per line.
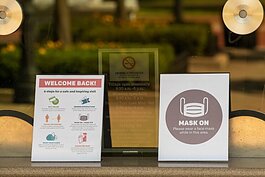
{"type": "Point", "coordinates": [193, 110]}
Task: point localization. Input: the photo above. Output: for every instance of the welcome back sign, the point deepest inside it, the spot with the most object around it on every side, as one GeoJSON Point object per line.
{"type": "Point", "coordinates": [68, 118]}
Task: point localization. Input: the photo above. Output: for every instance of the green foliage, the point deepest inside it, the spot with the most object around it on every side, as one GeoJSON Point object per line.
{"type": "Point", "coordinates": [188, 38]}
{"type": "Point", "coordinates": [68, 61]}
{"type": "Point", "coordinates": [90, 34]}
{"type": "Point", "coordinates": [79, 59]}
{"type": "Point", "coordinates": [9, 64]}
{"type": "Point", "coordinates": [191, 39]}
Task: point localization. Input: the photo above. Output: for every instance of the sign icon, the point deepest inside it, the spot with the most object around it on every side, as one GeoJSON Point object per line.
{"type": "Point", "coordinates": [85, 100]}
{"type": "Point", "coordinates": [194, 116]}
{"type": "Point", "coordinates": [54, 100]}
{"type": "Point", "coordinates": [58, 118]}
{"type": "Point", "coordinates": [51, 137]}
{"type": "Point", "coordinates": [48, 118]}
{"type": "Point", "coordinates": [128, 62]}
{"type": "Point", "coordinates": [83, 117]}
{"type": "Point", "coordinates": [82, 138]}
{"type": "Point", "coordinates": [193, 109]}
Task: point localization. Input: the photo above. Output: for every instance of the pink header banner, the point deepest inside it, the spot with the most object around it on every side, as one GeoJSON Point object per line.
{"type": "Point", "coordinates": [66, 83]}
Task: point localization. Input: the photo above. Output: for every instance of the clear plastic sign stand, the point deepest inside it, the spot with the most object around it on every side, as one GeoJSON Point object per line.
{"type": "Point", "coordinates": [133, 81]}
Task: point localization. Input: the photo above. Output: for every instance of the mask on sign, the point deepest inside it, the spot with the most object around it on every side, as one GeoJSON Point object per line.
{"type": "Point", "coordinates": [194, 109]}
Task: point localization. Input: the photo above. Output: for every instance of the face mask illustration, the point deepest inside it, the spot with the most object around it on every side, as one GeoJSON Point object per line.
{"type": "Point", "coordinates": [83, 117]}
{"type": "Point", "coordinates": [194, 110]}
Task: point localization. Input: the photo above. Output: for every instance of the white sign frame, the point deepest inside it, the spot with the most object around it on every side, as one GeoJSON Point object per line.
{"type": "Point", "coordinates": [185, 140]}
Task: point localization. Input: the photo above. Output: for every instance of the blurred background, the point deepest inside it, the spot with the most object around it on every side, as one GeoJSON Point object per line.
{"type": "Point", "coordinates": [63, 37]}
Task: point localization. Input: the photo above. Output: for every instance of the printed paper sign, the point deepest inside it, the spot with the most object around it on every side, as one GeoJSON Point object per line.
{"type": "Point", "coordinates": [68, 118]}
{"type": "Point", "coordinates": [193, 123]}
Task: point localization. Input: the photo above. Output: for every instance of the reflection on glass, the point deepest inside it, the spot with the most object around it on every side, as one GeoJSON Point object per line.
{"type": "Point", "coordinates": [246, 135]}
{"type": "Point", "coordinates": [63, 37]}
{"type": "Point", "coordinates": [16, 137]}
